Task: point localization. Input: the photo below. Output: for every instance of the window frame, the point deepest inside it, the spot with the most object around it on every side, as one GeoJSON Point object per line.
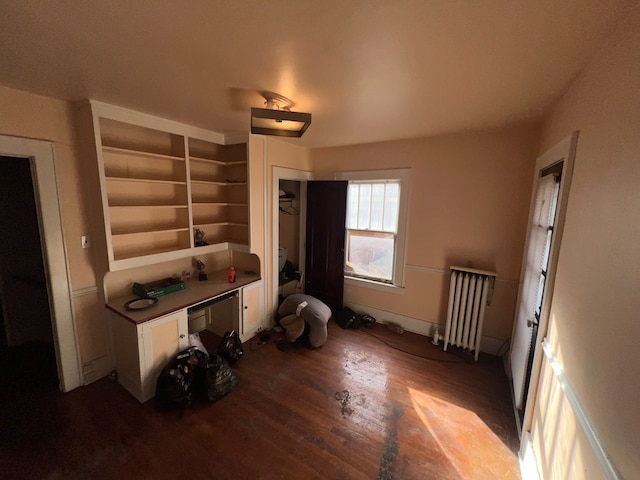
{"type": "Point", "coordinates": [403, 175]}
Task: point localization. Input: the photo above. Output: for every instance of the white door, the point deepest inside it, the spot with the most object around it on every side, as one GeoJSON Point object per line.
{"type": "Point", "coordinates": [546, 218]}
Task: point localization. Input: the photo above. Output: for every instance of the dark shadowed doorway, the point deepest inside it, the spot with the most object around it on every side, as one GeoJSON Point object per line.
{"type": "Point", "coordinates": [26, 336]}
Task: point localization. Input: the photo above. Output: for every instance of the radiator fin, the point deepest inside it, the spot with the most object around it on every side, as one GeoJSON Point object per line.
{"type": "Point", "coordinates": [468, 295]}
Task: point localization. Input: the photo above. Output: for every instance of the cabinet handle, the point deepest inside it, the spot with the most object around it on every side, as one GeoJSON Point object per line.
{"type": "Point", "coordinates": [182, 335]}
{"type": "Point", "coordinates": [245, 307]}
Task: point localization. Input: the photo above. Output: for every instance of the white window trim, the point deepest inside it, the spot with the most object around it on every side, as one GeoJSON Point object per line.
{"type": "Point", "coordinates": [404, 175]}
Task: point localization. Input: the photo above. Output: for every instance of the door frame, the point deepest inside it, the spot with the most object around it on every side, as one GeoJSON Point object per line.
{"type": "Point", "coordinates": [42, 162]}
{"type": "Point", "coordinates": [302, 176]}
{"type": "Point", "coordinates": [564, 151]}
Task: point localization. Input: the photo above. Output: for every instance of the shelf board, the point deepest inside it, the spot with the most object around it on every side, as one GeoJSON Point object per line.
{"type": "Point", "coordinates": [149, 232]}
{"type": "Point", "coordinates": [138, 153]}
{"type": "Point", "coordinates": [145, 180]}
{"type": "Point", "coordinates": [220, 204]}
{"type": "Point", "coordinates": [217, 162]}
{"type": "Point", "coordinates": [147, 253]}
{"type": "Point", "coordinates": [137, 205]}
{"type": "Point", "coordinates": [226, 240]}
{"type": "Point", "coordinates": [219, 224]}
{"type": "Point", "coordinates": [222, 184]}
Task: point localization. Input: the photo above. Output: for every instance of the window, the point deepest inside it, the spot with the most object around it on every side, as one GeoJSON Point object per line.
{"type": "Point", "coordinates": [376, 225]}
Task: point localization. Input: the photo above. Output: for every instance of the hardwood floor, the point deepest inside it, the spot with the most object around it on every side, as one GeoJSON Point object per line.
{"type": "Point", "coordinates": [353, 409]}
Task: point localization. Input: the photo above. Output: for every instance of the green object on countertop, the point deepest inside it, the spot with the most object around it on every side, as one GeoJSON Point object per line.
{"type": "Point", "coordinates": [158, 288]}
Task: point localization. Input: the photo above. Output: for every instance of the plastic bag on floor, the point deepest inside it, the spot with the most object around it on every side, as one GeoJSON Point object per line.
{"type": "Point", "coordinates": [231, 347]}
{"type": "Point", "coordinates": [219, 378]}
{"type": "Point", "coordinates": [177, 381]}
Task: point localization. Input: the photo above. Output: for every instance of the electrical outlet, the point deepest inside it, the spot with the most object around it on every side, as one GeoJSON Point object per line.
{"type": "Point", "coordinates": [85, 241]}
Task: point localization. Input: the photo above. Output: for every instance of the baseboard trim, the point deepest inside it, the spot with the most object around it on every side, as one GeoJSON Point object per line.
{"type": "Point", "coordinates": [527, 459]}
{"type": "Point", "coordinates": [488, 345]}
{"type": "Point", "coordinates": [96, 369]}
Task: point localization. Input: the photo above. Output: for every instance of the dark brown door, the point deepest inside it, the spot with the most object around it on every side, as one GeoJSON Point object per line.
{"type": "Point", "coordinates": [326, 213]}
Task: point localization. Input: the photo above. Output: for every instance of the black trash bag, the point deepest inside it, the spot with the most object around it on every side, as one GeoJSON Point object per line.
{"type": "Point", "coordinates": [230, 347]}
{"type": "Point", "coordinates": [179, 378]}
{"type": "Point", "coordinates": [219, 379]}
{"type": "Point", "coordinates": [366, 320]}
{"type": "Point", "coordinates": [347, 318]}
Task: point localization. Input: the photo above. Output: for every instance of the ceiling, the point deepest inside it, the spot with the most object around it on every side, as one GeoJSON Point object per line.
{"type": "Point", "coordinates": [367, 70]}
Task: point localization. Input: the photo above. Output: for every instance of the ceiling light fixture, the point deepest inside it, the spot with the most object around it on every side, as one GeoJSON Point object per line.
{"type": "Point", "coordinates": [277, 118]}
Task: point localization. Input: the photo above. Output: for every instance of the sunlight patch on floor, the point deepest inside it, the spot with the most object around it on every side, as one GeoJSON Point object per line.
{"type": "Point", "coordinates": [472, 448]}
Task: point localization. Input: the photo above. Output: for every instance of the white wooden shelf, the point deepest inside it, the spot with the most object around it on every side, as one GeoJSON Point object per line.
{"type": "Point", "coordinates": [148, 232]}
{"type": "Point", "coordinates": [157, 178]}
{"type": "Point", "coordinates": [136, 254]}
{"type": "Point", "coordinates": [216, 162]}
{"type": "Point", "coordinates": [218, 183]}
{"type": "Point", "coordinates": [221, 204]}
{"type": "Point", "coordinates": [139, 153]}
{"type": "Point", "coordinates": [145, 180]}
{"type": "Point", "coordinates": [219, 224]}
{"type": "Point", "coordinates": [235, 241]}
{"type": "Point", "coordinates": [129, 204]}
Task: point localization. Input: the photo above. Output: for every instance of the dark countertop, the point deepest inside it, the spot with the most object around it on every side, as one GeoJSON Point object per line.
{"type": "Point", "coordinates": [194, 293]}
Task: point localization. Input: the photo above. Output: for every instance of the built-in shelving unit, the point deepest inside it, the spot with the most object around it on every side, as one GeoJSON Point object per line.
{"type": "Point", "coordinates": [161, 181]}
{"type": "Point", "coordinates": [219, 191]}
{"type": "Point", "coordinates": [145, 176]}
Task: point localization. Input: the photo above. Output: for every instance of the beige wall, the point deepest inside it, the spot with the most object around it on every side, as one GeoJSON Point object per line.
{"type": "Point", "coordinates": [469, 203]}
{"type": "Point", "coordinates": [42, 118]}
{"type": "Point", "coordinates": [595, 312]}
{"type": "Point", "coordinates": [33, 116]}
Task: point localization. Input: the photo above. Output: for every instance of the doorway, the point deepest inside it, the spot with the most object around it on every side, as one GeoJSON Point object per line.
{"type": "Point", "coordinates": [39, 157]}
{"type": "Point", "coordinates": [26, 336]}
{"type": "Point", "coordinates": [289, 209]}
{"type": "Point", "coordinates": [289, 217]}
{"type": "Point", "coordinates": [549, 197]}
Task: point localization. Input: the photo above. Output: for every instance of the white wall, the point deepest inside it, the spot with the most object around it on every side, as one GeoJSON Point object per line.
{"type": "Point", "coordinates": [595, 313]}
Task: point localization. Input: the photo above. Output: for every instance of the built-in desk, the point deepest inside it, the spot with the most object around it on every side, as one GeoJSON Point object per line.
{"type": "Point", "coordinates": [194, 293]}
{"type": "Point", "coordinates": [144, 340]}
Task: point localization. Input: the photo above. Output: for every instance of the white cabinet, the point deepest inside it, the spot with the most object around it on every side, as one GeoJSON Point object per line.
{"type": "Point", "coordinates": [253, 313]}
{"type": "Point", "coordinates": [142, 345]}
{"type": "Point", "coordinates": [141, 351]}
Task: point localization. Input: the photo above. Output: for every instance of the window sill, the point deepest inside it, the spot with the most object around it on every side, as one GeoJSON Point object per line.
{"type": "Point", "coordinates": [361, 282]}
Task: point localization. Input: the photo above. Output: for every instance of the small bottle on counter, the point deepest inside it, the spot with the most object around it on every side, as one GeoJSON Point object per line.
{"type": "Point", "coordinates": [232, 275]}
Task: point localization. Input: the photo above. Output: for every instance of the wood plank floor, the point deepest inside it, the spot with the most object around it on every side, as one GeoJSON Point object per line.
{"type": "Point", "coordinates": [353, 409]}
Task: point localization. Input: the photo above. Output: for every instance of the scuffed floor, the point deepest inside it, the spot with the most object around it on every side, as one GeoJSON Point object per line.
{"type": "Point", "coordinates": [352, 409]}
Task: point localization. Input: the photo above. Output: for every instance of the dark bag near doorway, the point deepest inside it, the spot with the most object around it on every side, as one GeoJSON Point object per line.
{"type": "Point", "coordinates": [219, 380]}
{"type": "Point", "coordinates": [347, 318]}
{"type": "Point", "coordinates": [230, 347]}
{"type": "Point", "coordinates": [178, 379]}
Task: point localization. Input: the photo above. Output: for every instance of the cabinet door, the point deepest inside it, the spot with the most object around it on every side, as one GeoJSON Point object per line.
{"type": "Point", "coordinates": [160, 339]}
{"type": "Point", "coordinates": [253, 317]}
